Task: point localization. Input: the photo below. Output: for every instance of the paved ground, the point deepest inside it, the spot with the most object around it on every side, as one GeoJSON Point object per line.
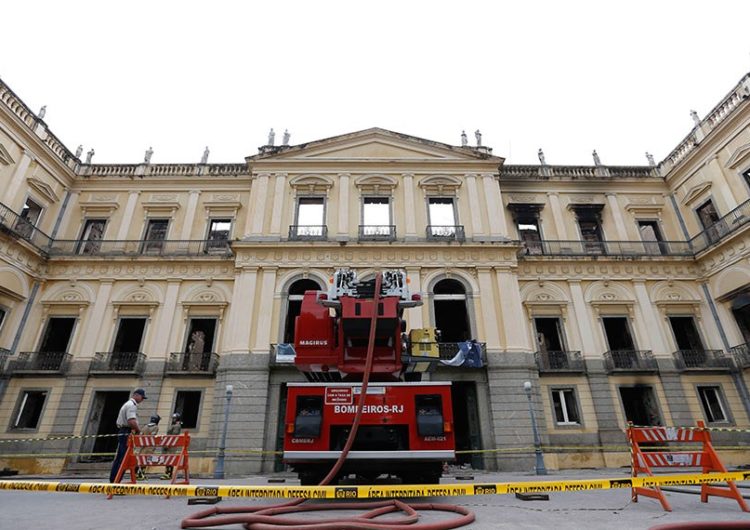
{"type": "Point", "coordinates": [598, 509]}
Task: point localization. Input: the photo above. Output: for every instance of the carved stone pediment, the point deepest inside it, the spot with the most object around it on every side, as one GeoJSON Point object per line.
{"type": "Point", "coordinates": [695, 192]}
{"type": "Point", "coordinates": [5, 157]}
{"type": "Point", "coordinates": [440, 184]}
{"type": "Point", "coordinates": [376, 183]}
{"type": "Point", "coordinates": [740, 157]}
{"type": "Point", "coordinates": [311, 184]}
{"type": "Point", "coordinates": [44, 189]}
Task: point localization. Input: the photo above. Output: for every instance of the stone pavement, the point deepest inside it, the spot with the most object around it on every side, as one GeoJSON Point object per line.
{"type": "Point", "coordinates": [573, 510]}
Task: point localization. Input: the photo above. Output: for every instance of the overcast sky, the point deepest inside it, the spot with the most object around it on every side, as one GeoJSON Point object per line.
{"type": "Point", "coordinates": [570, 77]}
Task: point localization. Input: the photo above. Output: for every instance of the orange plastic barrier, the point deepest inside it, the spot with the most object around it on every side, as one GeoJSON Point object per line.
{"type": "Point", "coordinates": [643, 460]}
{"type": "Point", "coordinates": [169, 443]}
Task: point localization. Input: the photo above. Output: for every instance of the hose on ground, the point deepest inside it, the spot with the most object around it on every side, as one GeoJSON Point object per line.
{"type": "Point", "coordinates": [269, 517]}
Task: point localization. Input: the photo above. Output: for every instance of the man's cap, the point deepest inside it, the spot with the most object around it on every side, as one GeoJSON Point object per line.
{"type": "Point", "coordinates": [141, 392]}
{"type": "Point", "coordinates": [155, 418]}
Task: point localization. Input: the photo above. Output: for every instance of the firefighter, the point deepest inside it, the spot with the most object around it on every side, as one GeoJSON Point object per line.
{"type": "Point", "coordinates": [174, 428]}
{"type": "Point", "coordinates": [152, 427]}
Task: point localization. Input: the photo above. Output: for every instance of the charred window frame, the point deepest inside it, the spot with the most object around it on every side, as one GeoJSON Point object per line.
{"type": "Point", "coordinates": [92, 233]}
{"type": "Point", "coordinates": [188, 403]}
{"type": "Point", "coordinates": [589, 219]}
{"type": "Point", "coordinates": [154, 235]}
{"type": "Point", "coordinates": [527, 219]}
{"type": "Point", "coordinates": [29, 409]}
{"type": "Point", "coordinates": [713, 404]}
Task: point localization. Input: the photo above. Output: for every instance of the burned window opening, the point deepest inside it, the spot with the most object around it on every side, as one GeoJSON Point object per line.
{"type": "Point", "coordinates": [30, 409]}
{"type": "Point", "coordinates": [294, 305]}
{"type": "Point", "coordinates": [713, 404]}
{"type": "Point", "coordinates": [451, 312]}
{"type": "Point", "coordinates": [57, 335]}
{"type": "Point", "coordinates": [187, 404]}
{"type": "Point", "coordinates": [686, 333]}
{"type": "Point", "coordinates": [640, 405]}
{"type": "Point", "coordinates": [618, 334]}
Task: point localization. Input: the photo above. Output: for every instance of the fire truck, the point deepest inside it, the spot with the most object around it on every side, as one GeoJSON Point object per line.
{"type": "Point", "coordinates": [406, 426]}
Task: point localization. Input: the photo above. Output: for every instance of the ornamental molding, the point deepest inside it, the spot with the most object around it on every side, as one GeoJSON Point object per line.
{"type": "Point", "coordinates": [161, 203]}
{"type": "Point", "coordinates": [127, 270]}
{"type": "Point", "coordinates": [43, 189]}
{"type": "Point", "coordinates": [440, 184]}
{"type": "Point", "coordinates": [524, 198]}
{"type": "Point", "coordinates": [695, 192]}
{"type": "Point", "coordinates": [641, 205]}
{"type": "Point", "coordinates": [740, 157]}
{"type": "Point", "coordinates": [376, 184]}
{"type": "Point", "coordinates": [5, 157]}
{"type": "Point", "coordinates": [302, 184]}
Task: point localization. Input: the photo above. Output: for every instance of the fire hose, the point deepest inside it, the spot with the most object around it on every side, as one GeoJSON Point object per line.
{"type": "Point", "coordinates": [276, 517]}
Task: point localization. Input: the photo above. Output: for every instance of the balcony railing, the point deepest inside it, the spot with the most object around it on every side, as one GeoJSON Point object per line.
{"type": "Point", "coordinates": [725, 226]}
{"type": "Point", "coordinates": [308, 232]}
{"type": "Point", "coordinates": [192, 363]}
{"type": "Point", "coordinates": [630, 361]}
{"type": "Point", "coordinates": [610, 248]}
{"type": "Point", "coordinates": [20, 227]}
{"type": "Point", "coordinates": [560, 361]}
{"type": "Point", "coordinates": [118, 362]}
{"type": "Point", "coordinates": [446, 232]}
{"type": "Point", "coordinates": [702, 360]}
{"type": "Point", "coordinates": [140, 247]}
{"type": "Point", "coordinates": [741, 354]}
{"type": "Point", "coordinates": [40, 362]}
{"type": "Point", "coordinates": [377, 232]}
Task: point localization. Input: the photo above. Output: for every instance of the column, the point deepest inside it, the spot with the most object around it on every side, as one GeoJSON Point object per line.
{"type": "Point", "coordinates": [722, 183]}
{"type": "Point", "coordinates": [415, 316]}
{"type": "Point", "coordinates": [651, 318]}
{"type": "Point", "coordinates": [278, 204]}
{"type": "Point", "coordinates": [342, 231]}
{"type": "Point", "coordinates": [490, 320]}
{"type": "Point", "coordinates": [557, 214]}
{"type": "Point", "coordinates": [474, 208]}
{"type": "Point", "coordinates": [96, 318]}
{"type": "Point", "coordinates": [241, 312]}
{"type": "Point", "coordinates": [409, 207]}
{"type": "Point", "coordinates": [582, 318]}
{"type": "Point", "coordinates": [127, 216]}
{"type": "Point", "coordinates": [257, 206]}
{"type": "Point", "coordinates": [263, 321]}
{"type": "Point", "coordinates": [62, 228]}
{"type": "Point", "coordinates": [511, 309]}
{"type": "Point", "coordinates": [187, 223]}
{"type": "Point", "coordinates": [10, 198]}
{"type": "Point", "coordinates": [163, 328]}
{"type": "Point", "coordinates": [495, 209]}
{"type": "Point", "coordinates": [622, 233]}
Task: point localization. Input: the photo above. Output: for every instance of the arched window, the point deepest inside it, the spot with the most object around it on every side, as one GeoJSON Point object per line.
{"type": "Point", "coordinates": [294, 304]}
{"type": "Point", "coordinates": [451, 313]}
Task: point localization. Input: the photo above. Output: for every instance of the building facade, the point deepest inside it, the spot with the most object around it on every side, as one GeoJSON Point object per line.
{"type": "Point", "coordinates": [621, 293]}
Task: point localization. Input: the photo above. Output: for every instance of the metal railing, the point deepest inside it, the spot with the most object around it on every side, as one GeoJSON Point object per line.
{"type": "Point", "coordinates": [560, 361]}
{"type": "Point", "coordinates": [630, 361]}
{"type": "Point", "coordinates": [702, 360]}
{"type": "Point", "coordinates": [377, 232]}
{"type": "Point", "coordinates": [609, 248]}
{"type": "Point", "coordinates": [308, 232]}
{"type": "Point", "coordinates": [22, 228]}
{"type": "Point", "coordinates": [140, 247]}
{"type": "Point", "coordinates": [192, 363]}
{"type": "Point", "coordinates": [132, 362]}
{"type": "Point", "coordinates": [741, 354]}
{"type": "Point", "coordinates": [446, 232]}
{"type": "Point", "coordinates": [725, 226]}
{"type": "Point", "coordinates": [34, 361]}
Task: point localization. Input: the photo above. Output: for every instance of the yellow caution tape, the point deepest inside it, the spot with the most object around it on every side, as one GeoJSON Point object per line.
{"type": "Point", "coordinates": [373, 492]}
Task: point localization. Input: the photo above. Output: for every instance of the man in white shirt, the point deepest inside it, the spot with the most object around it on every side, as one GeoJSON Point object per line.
{"type": "Point", "coordinates": [127, 422]}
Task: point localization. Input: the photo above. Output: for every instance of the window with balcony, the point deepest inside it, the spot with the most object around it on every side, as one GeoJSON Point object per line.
{"type": "Point", "coordinates": [566, 406]}
{"type": "Point", "coordinates": [442, 217]}
{"type": "Point", "coordinates": [310, 221]}
{"type": "Point", "coordinates": [526, 217]}
{"type": "Point", "coordinates": [91, 236]}
{"type": "Point", "coordinates": [376, 218]}
{"type": "Point", "coordinates": [709, 219]}
{"type": "Point", "coordinates": [156, 234]}
{"type": "Point", "coordinates": [590, 224]}
{"type": "Point", "coordinates": [29, 410]}
{"type": "Point", "coordinates": [686, 334]}
{"type": "Point", "coordinates": [741, 311]}
{"type": "Point", "coordinates": [617, 332]}
{"type": "Point", "coordinates": [127, 345]}
{"type": "Point", "coordinates": [30, 215]}
{"type": "Point", "coordinates": [188, 404]}
{"type": "Point", "coordinates": [199, 344]}
{"type": "Point", "coordinates": [652, 238]}
{"type": "Point", "coordinates": [713, 404]}
{"type": "Point", "coordinates": [451, 312]}
{"type": "Point", "coordinates": [218, 234]}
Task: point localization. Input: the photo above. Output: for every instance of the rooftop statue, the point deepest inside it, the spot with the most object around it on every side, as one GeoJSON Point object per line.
{"type": "Point", "coordinates": [285, 138]}
{"type": "Point", "coordinates": [148, 155]}
{"type": "Point", "coordinates": [478, 136]}
{"type": "Point", "coordinates": [42, 112]}
{"type": "Point", "coordinates": [695, 117]}
{"type": "Point", "coordinates": [79, 150]}
{"type": "Point", "coordinates": [650, 159]}
{"type": "Point", "coordinates": [464, 139]}
{"type": "Point", "coordinates": [542, 160]}
{"type": "Point", "coordinates": [271, 137]}
{"type": "Point", "coordinates": [204, 158]}
{"type": "Point", "coordinates": [90, 155]}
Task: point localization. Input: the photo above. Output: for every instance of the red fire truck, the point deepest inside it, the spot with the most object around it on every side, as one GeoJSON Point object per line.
{"type": "Point", "coordinates": [406, 428]}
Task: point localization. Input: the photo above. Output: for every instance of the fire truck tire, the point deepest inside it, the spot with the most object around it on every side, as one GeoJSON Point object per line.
{"type": "Point", "coordinates": [313, 478]}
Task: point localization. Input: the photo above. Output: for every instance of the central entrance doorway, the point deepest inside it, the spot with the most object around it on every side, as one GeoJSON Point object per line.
{"type": "Point", "coordinates": [466, 422]}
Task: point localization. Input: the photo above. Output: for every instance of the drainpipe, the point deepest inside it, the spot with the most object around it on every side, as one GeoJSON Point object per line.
{"type": "Point", "coordinates": [60, 215]}
{"type": "Point", "coordinates": [739, 382]}
{"type": "Point", "coordinates": [680, 220]}
{"type": "Point", "coordinates": [24, 318]}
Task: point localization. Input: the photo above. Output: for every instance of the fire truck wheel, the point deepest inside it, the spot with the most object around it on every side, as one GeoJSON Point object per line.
{"type": "Point", "coordinates": [313, 478]}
